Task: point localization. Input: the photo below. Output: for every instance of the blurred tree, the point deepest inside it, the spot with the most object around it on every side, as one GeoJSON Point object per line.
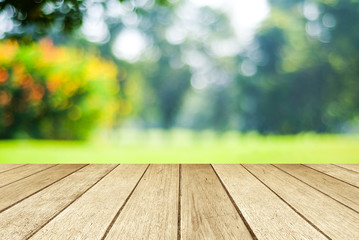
{"type": "Point", "coordinates": [306, 74]}
{"type": "Point", "coordinates": [165, 83]}
{"type": "Point", "coordinates": [169, 86]}
{"type": "Point", "coordinates": [186, 50]}
{"type": "Point", "coordinates": [33, 19]}
{"type": "Point", "coordinates": [42, 95]}
{"type": "Point", "coordinates": [299, 74]}
{"type": "Point", "coordinates": [37, 17]}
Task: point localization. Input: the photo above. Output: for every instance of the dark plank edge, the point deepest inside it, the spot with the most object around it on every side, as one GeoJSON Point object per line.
{"type": "Point", "coordinates": [123, 205]}
{"type": "Point", "coordinates": [235, 205]}
{"type": "Point", "coordinates": [295, 210]}
{"type": "Point", "coordinates": [49, 220]}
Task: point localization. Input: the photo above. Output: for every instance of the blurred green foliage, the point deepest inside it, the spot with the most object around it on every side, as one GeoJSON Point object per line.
{"type": "Point", "coordinates": [299, 74]}
{"type": "Point", "coordinates": [307, 69]}
{"type": "Point", "coordinates": [55, 92]}
{"type": "Point", "coordinates": [37, 19]}
{"type": "Point", "coordinates": [185, 59]}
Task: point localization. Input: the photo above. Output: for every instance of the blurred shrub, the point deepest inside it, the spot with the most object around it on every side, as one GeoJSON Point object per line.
{"type": "Point", "coordinates": [55, 92]}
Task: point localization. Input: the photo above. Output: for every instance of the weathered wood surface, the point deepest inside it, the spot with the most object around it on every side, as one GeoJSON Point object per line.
{"type": "Point", "coordinates": [344, 174]}
{"type": "Point", "coordinates": [7, 167]}
{"type": "Point", "coordinates": [206, 210]}
{"type": "Point", "coordinates": [330, 217]}
{"type": "Point", "coordinates": [151, 211]}
{"type": "Point", "coordinates": [179, 202]}
{"type": "Point", "coordinates": [268, 216]}
{"type": "Point", "coordinates": [353, 167]}
{"type": "Point", "coordinates": [16, 174]}
{"type": "Point", "coordinates": [338, 190]}
{"type": "Point", "coordinates": [93, 211]}
{"type": "Point", "coordinates": [16, 191]}
{"type": "Point", "coordinates": [28, 216]}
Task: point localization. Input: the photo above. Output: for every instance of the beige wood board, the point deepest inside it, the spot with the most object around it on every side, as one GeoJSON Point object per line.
{"type": "Point", "coordinates": [342, 192]}
{"type": "Point", "coordinates": [22, 172]}
{"type": "Point", "coordinates": [206, 210]}
{"type": "Point", "coordinates": [267, 215]}
{"type": "Point", "coordinates": [343, 174]}
{"type": "Point", "coordinates": [353, 167]}
{"type": "Point", "coordinates": [332, 218]}
{"type": "Point", "coordinates": [7, 167]}
{"type": "Point", "coordinates": [151, 212]}
{"type": "Point", "coordinates": [94, 211]}
{"type": "Point", "coordinates": [12, 193]}
{"type": "Point", "coordinates": [26, 217]}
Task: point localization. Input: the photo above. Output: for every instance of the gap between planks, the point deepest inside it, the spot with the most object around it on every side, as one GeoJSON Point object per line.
{"type": "Point", "coordinates": [319, 190]}
{"type": "Point", "coordinates": [235, 206]}
{"type": "Point", "coordinates": [37, 190]}
{"type": "Point", "coordinates": [12, 177]}
{"type": "Point", "coordinates": [179, 202]}
{"type": "Point", "coordinates": [71, 202]}
{"type": "Point", "coordinates": [32, 213]}
{"type": "Point", "coordinates": [351, 167]}
{"type": "Point", "coordinates": [289, 205]}
{"type": "Point", "coordinates": [179, 230]}
{"type": "Point", "coordinates": [124, 204]}
{"type": "Point", "coordinates": [335, 175]}
{"type": "Point", "coordinates": [336, 220]}
{"type": "Point", "coordinates": [8, 167]}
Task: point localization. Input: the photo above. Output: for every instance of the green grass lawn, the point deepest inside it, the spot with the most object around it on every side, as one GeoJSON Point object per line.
{"type": "Point", "coordinates": [181, 146]}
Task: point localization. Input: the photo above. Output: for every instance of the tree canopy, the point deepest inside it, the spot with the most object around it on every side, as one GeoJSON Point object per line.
{"type": "Point", "coordinates": [299, 72]}
{"type": "Point", "coordinates": [34, 19]}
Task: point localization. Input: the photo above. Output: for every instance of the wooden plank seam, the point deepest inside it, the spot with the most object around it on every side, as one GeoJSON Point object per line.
{"type": "Point", "coordinates": [316, 189]}
{"type": "Point", "coordinates": [312, 224]}
{"type": "Point", "coordinates": [235, 206]}
{"type": "Point", "coordinates": [33, 233]}
{"type": "Point", "coordinates": [124, 204]}
{"type": "Point", "coordinates": [42, 189]}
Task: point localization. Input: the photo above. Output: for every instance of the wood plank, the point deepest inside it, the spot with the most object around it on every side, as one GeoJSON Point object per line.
{"type": "Point", "coordinates": [152, 210]}
{"type": "Point", "coordinates": [353, 167]}
{"type": "Point", "coordinates": [338, 190]}
{"type": "Point", "coordinates": [206, 210]}
{"type": "Point", "coordinates": [267, 215]}
{"type": "Point", "coordinates": [94, 211]}
{"type": "Point", "coordinates": [7, 167]}
{"type": "Point", "coordinates": [19, 190]}
{"type": "Point", "coordinates": [343, 174]}
{"type": "Point", "coordinates": [331, 217]}
{"type": "Point", "coordinates": [19, 173]}
{"type": "Point", "coordinates": [26, 217]}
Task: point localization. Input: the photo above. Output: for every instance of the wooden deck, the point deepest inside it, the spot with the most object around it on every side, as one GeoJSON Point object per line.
{"type": "Point", "coordinates": [179, 202]}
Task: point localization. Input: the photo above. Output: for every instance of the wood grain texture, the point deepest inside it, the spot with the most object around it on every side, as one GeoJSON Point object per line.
{"type": "Point", "coordinates": [19, 173]}
{"type": "Point", "coordinates": [172, 202]}
{"type": "Point", "coordinates": [346, 175]}
{"type": "Point", "coordinates": [331, 217]}
{"type": "Point", "coordinates": [94, 211]}
{"type": "Point", "coordinates": [338, 190]}
{"type": "Point", "coordinates": [152, 210]}
{"type": "Point", "coordinates": [206, 210]}
{"type": "Point", "coordinates": [353, 167]}
{"type": "Point", "coordinates": [26, 217]}
{"type": "Point", "coordinates": [12, 193]}
{"type": "Point", "coordinates": [6, 167]}
{"type": "Point", "coordinates": [267, 215]}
